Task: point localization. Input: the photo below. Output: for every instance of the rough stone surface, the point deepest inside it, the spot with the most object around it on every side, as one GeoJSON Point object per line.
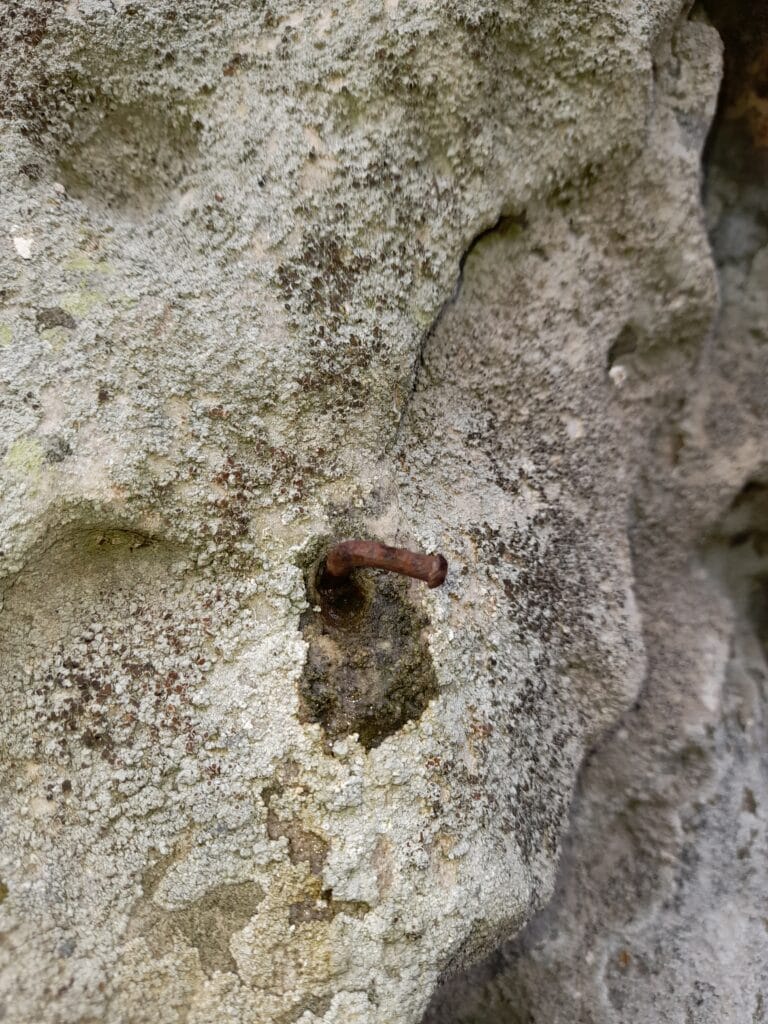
{"type": "Point", "coordinates": [660, 911]}
{"type": "Point", "coordinates": [274, 275]}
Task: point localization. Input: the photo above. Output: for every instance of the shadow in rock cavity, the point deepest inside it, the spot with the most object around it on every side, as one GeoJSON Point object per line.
{"type": "Point", "coordinates": [369, 669]}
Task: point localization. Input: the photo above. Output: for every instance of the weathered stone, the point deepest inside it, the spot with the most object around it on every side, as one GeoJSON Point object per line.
{"type": "Point", "coordinates": [436, 275]}
{"type": "Point", "coordinates": [659, 912]}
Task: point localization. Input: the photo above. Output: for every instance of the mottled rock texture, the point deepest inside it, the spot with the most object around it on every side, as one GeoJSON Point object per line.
{"type": "Point", "coordinates": [273, 275]}
{"type": "Point", "coordinates": [660, 912]}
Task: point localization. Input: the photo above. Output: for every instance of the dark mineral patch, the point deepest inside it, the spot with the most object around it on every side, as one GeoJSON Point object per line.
{"type": "Point", "coordinates": [369, 670]}
{"type": "Point", "coordinates": [55, 316]}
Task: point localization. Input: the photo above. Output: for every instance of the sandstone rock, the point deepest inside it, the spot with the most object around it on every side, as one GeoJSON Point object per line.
{"type": "Point", "coordinates": [659, 913]}
{"type": "Point", "coordinates": [295, 274]}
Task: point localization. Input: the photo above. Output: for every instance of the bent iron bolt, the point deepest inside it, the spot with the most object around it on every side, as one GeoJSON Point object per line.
{"type": "Point", "coordinates": [369, 554]}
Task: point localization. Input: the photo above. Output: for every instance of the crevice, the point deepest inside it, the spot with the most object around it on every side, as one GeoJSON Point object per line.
{"type": "Point", "coordinates": [511, 223]}
{"type": "Point", "coordinates": [506, 224]}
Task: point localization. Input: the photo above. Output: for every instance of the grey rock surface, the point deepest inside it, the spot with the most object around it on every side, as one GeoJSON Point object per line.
{"type": "Point", "coordinates": [272, 276]}
{"type": "Point", "coordinates": [660, 911]}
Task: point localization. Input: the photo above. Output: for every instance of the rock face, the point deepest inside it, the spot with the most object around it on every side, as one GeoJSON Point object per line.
{"type": "Point", "coordinates": [438, 275]}
{"type": "Point", "coordinates": [660, 910]}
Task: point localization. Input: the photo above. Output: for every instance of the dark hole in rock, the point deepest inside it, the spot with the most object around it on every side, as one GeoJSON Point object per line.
{"type": "Point", "coordinates": [758, 609]}
{"type": "Point", "coordinates": [736, 157]}
{"type": "Point", "coordinates": [737, 554]}
{"type": "Point", "coordinates": [342, 599]}
{"type": "Point", "coordinates": [369, 669]}
{"type": "Point", "coordinates": [624, 345]}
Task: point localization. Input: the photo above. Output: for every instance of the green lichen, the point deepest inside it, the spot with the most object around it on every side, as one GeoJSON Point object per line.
{"type": "Point", "coordinates": [80, 303]}
{"type": "Point", "coordinates": [25, 457]}
{"type": "Point", "coordinates": [57, 337]}
{"type": "Point", "coordinates": [83, 264]}
{"type": "Point", "coordinates": [80, 262]}
{"type": "Point", "coordinates": [6, 336]}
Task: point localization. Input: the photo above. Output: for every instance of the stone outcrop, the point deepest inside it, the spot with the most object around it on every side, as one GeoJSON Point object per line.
{"type": "Point", "coordinates": [273, 276]}
{"type": "Point", "coordinates": [659, 912]}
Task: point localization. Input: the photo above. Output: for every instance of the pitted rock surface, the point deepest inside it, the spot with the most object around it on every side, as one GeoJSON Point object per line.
{"type": "Point", "coordinates": [267, 270]}
{"type": "Point", "coordinates": [659, 912]}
